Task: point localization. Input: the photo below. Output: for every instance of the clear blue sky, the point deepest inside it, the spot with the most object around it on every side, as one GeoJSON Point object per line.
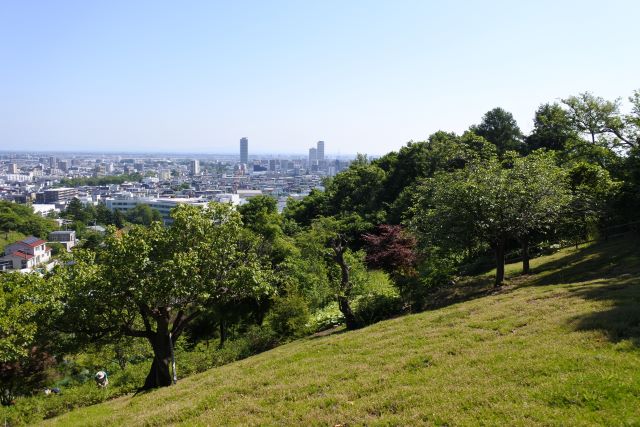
{"type": "Point", "coordinates": [365, 76]}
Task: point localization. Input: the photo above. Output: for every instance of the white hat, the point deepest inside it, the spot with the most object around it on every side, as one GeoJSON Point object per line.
{"type": "Point", "coordinates": [100, 375]}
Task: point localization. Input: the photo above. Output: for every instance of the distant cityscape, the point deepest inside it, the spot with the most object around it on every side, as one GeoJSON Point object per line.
{"type": "Point", "coordinates": [48, 181]}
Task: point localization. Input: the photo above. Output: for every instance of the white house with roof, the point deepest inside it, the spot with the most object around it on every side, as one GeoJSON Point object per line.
{"type": "Point", "coordinates": [25, 254]}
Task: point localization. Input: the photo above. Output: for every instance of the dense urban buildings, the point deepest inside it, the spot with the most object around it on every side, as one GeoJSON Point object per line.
{"type": "Point", "coordinates": [49, 181]}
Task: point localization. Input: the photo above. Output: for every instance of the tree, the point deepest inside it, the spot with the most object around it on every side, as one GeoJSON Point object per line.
{"type": "Point", "coordinates": [103, 215]}
{"type": "Point", "coordinates": [598, 117]}
{"type": "Point", "coordinates": [552, 128]}
{"type": "Point", "coordinates": [418, 160]}
{"type": "Point", "coordinates": [631, 132]}
{"type": "Point", "coordinates": [165, 278]}
{"type": "Point", "coordinates": [500, 128]}
{"type": "Point", "coordinates": [390, 248]}
{"type": "Point", "coordinates": [593, 190]}
{"type": "Point", "coordinates": [541, 197]}
{"type": "Point", "coordinates": [28, 303]}
{"type": "Point", "coordinates": [489, 203]}
{"type": "Point", "coordinates": [304, 211]}
{"type": "Point", "coordinates": [143, 214]}
{"type": "Point", "coordinates": [330, 239]}
{"type": "Point", "coordinates": [21, 218]}
{"type": "Point", "coordinates": [77, 211]}
{"type": "Point", "coordinates": [356, 190]}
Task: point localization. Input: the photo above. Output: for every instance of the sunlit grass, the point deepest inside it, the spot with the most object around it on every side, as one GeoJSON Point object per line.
{"type": "Point", "coordinates": [559, 347]}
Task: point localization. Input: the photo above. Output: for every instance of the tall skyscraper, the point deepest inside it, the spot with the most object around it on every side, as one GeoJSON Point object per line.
{"type": "Point", "coordinates": [194, 166]}
{"type": "Point", "coordinates": [244, 150]}
{"type": "Point", "coordinates": [320, 151]}
{"type": "Point", "coordinates": [313, 156]}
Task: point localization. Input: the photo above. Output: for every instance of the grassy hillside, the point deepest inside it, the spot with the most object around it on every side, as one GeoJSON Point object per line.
{"type": "Point", "coordinates": [6, 238]}
{"type": "Point", "coordinates": [561, 347]}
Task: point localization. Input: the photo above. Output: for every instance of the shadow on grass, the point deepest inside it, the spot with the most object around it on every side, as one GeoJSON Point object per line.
{"type": "Point", "coordinates": [621, 320]}
{"type": "Point", "coordinates": [599, 261]}
{"type": "Point", "coordinates": [467, 290]}
{"type": "Point", "coordinates": [613, 270]}
{"type": "Point", "coordinates": [615, 264]}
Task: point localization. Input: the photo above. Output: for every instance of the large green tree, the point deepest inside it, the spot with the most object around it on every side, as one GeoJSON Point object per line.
{"type": "Point", "coordinates": [489, 203]}
{"type": "Point", "coordinates": [500, 128]}
{"type": "Point", "coordinates": [151, 282]}
{"type": "Point", "coordinates": [602, 119]}
{"type": "Point", "coordinates": [552, 128]}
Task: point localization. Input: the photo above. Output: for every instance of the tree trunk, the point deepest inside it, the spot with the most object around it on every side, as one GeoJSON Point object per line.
{"type": "Point", "coordinates": [349, 317]}
{"type": "Point", "coordinates": [525, 257]}
{"type": "Point", "coordinates": [499, 263]}
{"type": "Point", "coordinates": [223, 331]}
{"type": "Point", "coordinates": [345, 286]}
{"type": "Point", "coordinates": [159, 375]}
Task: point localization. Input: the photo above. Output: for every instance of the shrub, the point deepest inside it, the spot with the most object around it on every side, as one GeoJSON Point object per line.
{"type": "Point", "coordinates": [326, 318]}
{"type": "Point", "coordinates": [379, 299]}
{"type": "Point", "coordinates": [289, 316]}
{"type": "Point", "coordinates": [373, 308]}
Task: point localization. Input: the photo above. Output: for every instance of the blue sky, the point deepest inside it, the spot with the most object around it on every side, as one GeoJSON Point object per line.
{"type": "Point", "coordinates": [365, 76]}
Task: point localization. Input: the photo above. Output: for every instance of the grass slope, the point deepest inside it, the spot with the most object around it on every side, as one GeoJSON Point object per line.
{"type": "Point", "coordinates": [561, 347]}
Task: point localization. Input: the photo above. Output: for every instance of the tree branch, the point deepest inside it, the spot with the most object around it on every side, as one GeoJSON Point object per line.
{"type": "Point", "coordinates": [178, 328]}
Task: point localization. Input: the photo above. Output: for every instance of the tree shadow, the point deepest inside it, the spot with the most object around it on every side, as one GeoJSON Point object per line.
{"type": "Point", "coordinates": [600, 261]}
{"type": "Point", "coordinates": [611, 268]}
{"type": "Point", "coordinates": [621, 320]}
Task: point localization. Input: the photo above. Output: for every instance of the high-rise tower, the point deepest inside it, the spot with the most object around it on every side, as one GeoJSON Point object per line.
{"type": "Point", "coordinates": [194, 167]}
{"type": "Point", "coordinates": [313, 156]}
{"type": "Point", "coordinates": [244, 150]}
{"type": "Point", "coordinates": [320, 151]}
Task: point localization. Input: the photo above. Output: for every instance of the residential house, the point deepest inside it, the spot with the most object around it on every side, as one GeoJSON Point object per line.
{"type": "Point", "coordinates": [25, 254]}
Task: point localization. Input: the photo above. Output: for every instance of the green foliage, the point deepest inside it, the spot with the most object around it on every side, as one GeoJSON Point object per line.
{"type": "Point", "coordinates": [560, 352]}
{"type": "Point", "coordinates": [77, 211]}
{"type": "Point", "coordinates": [28, 304]}
{"type": "Point", "coordinates": [165, 276]}
{"type": "Point", "coordinates": [289, 316]}
{"type": "Point", "coordinates": [22, 219]}
{"type": "Point", "coordinates": [500, 128]}
{"type": "Point", "coordinates": [57, 248]}
{"type": "Point", "coordinates": [552, 128]}
{"type": "Point", "coordinates": [489, 202]}
{"type": "Point", "coordinates": [327, 317]}
{"type": "Point", "coordinates": [378, 299]}
{"type": "Point", "coordinates": [356, 190]}
{"type": "Point", "coordinates": [305, 210]}
{"type": "Point", "coordinates": [143, 214]}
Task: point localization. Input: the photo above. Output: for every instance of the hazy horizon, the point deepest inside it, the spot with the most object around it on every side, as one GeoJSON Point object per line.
{"type": "Point", "coordinates": [364, 76]}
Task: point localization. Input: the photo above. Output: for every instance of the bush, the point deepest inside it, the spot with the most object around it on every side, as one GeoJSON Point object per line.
{"type": "Point", "coordinates": [289, 316]}
{"type": "Point", "coordinates": [379, 299]}
{"type": "Point", "coordinates": [373, 308]}
{"type": "Point", "coordinates": [326, 318]}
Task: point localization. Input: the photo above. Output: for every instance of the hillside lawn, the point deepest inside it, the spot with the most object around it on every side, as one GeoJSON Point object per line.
{"type": "Point", "coordinates": [9, 237]}
{"type": "Point", "coordinates": [559, 347]}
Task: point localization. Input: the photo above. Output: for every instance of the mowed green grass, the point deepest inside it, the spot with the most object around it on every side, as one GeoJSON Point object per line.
{"type": "Point", "coordinates": [561, 347]}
